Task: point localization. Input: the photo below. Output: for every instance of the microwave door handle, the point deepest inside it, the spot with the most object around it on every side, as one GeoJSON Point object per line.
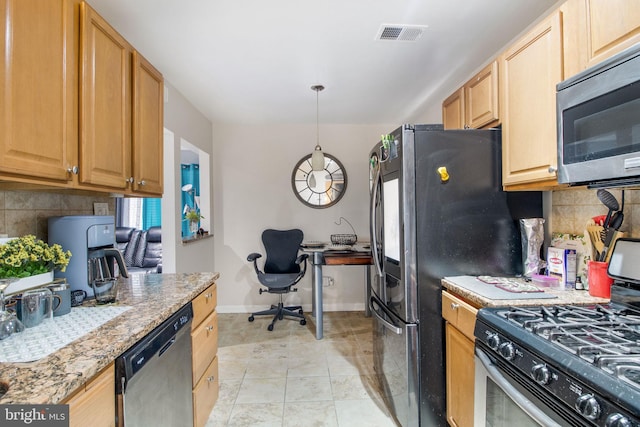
{"type": "Point", "coordinates": [525, 404]}
{"type": "Point", "coordinates": [392, 327]}
{"type": "Point", "coordinates": [372, 221]}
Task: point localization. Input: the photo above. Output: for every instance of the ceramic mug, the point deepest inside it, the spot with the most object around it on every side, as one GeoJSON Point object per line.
{"type": "Point", "coordinates": [62, 291]}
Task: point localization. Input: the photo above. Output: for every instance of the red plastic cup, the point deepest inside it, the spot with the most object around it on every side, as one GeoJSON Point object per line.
{"type": "Point", "coordinates": [599, 281]}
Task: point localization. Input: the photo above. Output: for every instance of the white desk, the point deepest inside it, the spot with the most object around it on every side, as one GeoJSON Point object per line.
{"type": "Point", "coordinates": [325, 256]}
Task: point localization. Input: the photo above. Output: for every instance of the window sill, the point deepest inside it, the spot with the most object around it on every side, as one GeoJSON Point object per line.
{"type": "Point", "coordinates": [196, 238]}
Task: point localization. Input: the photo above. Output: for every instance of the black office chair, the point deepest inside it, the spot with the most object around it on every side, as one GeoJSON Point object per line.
{"type": "Point", "coordinates": [281, 271]}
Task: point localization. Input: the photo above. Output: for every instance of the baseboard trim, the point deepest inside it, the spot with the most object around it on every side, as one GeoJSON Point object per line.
{"type": "Point", "coordinates": [305, 307]}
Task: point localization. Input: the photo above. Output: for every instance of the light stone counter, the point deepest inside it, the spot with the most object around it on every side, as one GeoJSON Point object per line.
{"type": "Point", "coordinates": [153, 298]}
{"type": "Point", "coordinates": [564, 297]}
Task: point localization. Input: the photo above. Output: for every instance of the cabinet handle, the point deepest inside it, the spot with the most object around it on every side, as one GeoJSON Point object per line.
{"type": "Point", "coordinates": [73, 169]}
{"type": "Point", "coordinates": [210, 328]}
{"type": "Point", "coordinates": [143, 182]}
{"type": "Point", "coordinates": [210, 378]}
{"type": "Point", "coordinates": [130, 180]}
{"type": "Point", "coordinates": [208, 296]}
{"type": "Point", "coordinates": [454, 306]}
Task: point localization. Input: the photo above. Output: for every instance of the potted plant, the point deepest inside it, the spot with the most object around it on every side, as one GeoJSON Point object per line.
{"type": "Point", "coordinates": [27, 256]}
{"type": "Point", "coordinates": [193, 216]}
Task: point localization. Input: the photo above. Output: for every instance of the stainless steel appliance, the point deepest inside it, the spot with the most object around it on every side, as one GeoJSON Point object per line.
{"type": "Point", "coordinates": [437, 209]}
{"type": "Point", "coordinates": [91, 240]}
{"type": "Point", "coordinates": [599, 124]}
{"type": "Point", "coordinates": [564, 365]}
{"type": "Point", "coordinates": [153, 378]}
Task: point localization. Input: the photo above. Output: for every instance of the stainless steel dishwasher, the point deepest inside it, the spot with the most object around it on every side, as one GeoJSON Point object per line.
{"type": "Point", "coordinates": [153, 378]}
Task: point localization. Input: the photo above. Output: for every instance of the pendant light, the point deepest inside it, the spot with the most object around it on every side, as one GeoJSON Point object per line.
{"type": "Point", "coordinates": [317, 157]}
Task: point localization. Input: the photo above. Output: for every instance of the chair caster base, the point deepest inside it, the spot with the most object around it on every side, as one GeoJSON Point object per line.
{"type": "Point", "coordinates": [251, 318]}
{"type": "Point", "coordinates": [303, 322]}
{"type": "Point", "coordinates": [270, 328]}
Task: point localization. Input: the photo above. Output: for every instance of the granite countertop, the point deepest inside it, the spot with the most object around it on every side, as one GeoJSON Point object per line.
{"type": "Point", "coordinates": [153, 298]}
{"type": "Point", "coordinates": [564, 297]}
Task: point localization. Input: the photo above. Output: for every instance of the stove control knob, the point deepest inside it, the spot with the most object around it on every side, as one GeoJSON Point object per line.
{"type": "Point", "coordinates": [588, 406]}
{"type": "Point", "coordinates": [617, 420]}
{"type": "Point", "coordinates": [541, 374]}
{"type": "Point", "coordinates": [493, 341]}
{"type": "Point", "coordinates": [507, 350]}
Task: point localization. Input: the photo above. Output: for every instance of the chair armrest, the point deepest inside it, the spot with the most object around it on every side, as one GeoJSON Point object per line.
{"type": "Point", "coordinates": [302, 258]}
{"type": "Point", "coordinates": [253, 256]}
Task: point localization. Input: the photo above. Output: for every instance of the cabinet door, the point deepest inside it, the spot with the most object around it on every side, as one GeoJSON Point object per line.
{"type": "Point", "coordinates": [94, 404]}
{"type": "Point", "coordinates": [105, 103]}
{"type": "Point", "coordinates": [205, 394]}
{"type": "Point", "coordinates": [204, 341]}
{"type": "Point", "coordinates": [481, 97]}
{"type": "Point", "coordinates": [460, 377]}
{"type": "Point", "coordinates": [453, 110]}
{"type": "Point", "coordinates": [38, 88]}
{"type": "Point", "coordinates": [612, 26]}
{"type": "Point", "coordinates": [529, 72]}
{"type": "Point", "coordinates": [148, 98]}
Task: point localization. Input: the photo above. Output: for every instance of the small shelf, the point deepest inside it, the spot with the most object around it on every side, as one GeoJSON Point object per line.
{"type": "Point", "coordinates": [195, 238]}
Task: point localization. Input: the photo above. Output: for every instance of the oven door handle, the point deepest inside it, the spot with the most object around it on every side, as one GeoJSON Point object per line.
{"type": "Point", "coordinates": [392, 327]}
{"type": "Point", "coordinates": [525, 404]}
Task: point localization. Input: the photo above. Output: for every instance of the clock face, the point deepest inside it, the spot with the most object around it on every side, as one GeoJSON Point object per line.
{"type": "Point", "coordinates": [319, 189]}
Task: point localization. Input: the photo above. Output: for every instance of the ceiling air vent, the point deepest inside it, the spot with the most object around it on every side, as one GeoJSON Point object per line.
{"type": "Point", "coordinates": [408, 33]}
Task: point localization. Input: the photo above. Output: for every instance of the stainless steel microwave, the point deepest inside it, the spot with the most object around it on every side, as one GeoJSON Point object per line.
{"type": "Point", "coordinates": [598, 114]}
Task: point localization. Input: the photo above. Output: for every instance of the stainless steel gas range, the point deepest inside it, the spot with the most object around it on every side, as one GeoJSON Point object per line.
{"type": "Point", "coordinates": [564, 365]}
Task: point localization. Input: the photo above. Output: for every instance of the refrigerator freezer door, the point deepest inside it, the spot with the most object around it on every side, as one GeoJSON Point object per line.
{"type": "Point", "coordinates": [396, 364]}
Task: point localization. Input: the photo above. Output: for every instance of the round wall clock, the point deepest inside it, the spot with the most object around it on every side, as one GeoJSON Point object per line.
{"type": "Point", "coordinates": [319, 189]}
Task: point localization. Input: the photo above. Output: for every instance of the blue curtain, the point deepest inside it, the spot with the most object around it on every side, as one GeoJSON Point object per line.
{"type": "Point", "coordinates": [190, 175]}
{"type": "Point", "coordinates": [151, 212]}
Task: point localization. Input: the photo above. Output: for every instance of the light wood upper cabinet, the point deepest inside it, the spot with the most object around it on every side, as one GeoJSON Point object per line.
{"type": "Point", "coordinates": [475, 105]}
{"type": "Point", "coordinates": [481, 97]}
{"type": "Point", "coordinates": [612, 26]}
{"type": "Point", "coordinates": [105, 103]}
{"type": "Point", "coordinates": [529, 72]}
{"type": "Point", "coordinates": [38, 89]}
{"type": "Point", "coordinates": [453, 110]}
{"type": "Point", "coordinates": [148, 99]}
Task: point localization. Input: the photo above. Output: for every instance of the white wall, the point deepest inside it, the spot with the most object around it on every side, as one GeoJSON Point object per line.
{"type": "Point", "coordinates": [184, 123]}
{"type": "Point", "coordinates": [252, 191]}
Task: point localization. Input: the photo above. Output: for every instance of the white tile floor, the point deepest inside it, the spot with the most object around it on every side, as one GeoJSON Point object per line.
{"type": "Point", "coordinates": [288, 378]}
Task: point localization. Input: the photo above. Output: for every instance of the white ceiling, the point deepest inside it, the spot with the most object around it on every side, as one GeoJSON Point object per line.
{"type": "Point", "coordinates": [254, 61]}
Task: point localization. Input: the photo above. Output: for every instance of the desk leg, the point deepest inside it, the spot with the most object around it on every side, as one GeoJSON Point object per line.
{"type": "Point", "coordinates": [317, 293]}
{"type": "Point", "coordinates": [367, 290]}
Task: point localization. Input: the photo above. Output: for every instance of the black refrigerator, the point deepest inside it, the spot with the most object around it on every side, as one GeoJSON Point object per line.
{"type": "Point", "coordinates": [437, 209]}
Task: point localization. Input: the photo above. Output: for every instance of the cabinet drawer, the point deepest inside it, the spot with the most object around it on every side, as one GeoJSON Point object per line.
{"type": "Point", "coordinates": [204, 342]}
{"type": "Point", "coordinates": [459, 314]}
{"type": "Point", "coordinates": [204, 304]}
{"type": "Point", "coordinates": [94, 404]}
{"type": "Point", "coordinates": [205, 394]}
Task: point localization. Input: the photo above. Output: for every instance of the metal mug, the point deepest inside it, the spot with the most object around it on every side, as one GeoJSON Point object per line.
{"type": "Point", "coordinates": [62, 291]}
{"type": "Point", "coordinates": [36, 306]}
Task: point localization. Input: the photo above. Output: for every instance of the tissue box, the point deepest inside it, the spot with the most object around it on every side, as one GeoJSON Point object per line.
{"type": "Point", "coordinates": [562, 264]}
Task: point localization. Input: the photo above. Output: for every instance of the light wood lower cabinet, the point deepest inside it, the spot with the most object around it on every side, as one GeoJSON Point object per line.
{"type": "Point", "coordinates": [204, 346]}
{"type": "Point", "coordinates": [459, 358]}
{"type": "Point", "coordinates": [94, 404]}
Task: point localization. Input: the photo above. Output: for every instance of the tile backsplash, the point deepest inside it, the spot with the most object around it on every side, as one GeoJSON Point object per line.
{"type": "Point", "coordinates": [572, 208]}
{"type": "Point", "coordinates": [26, 212]}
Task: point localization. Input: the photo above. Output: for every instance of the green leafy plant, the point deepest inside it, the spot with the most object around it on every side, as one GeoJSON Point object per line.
{"type": "Point", "coordinates": [27, 256]}
{"type": "Point", "coordinates": [193, 216]}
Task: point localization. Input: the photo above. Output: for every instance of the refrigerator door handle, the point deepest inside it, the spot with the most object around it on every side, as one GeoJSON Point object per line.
{"type": "Point", "coordinates": [392, 327]}
{"type": "Point", "coordinates": [372, 221]}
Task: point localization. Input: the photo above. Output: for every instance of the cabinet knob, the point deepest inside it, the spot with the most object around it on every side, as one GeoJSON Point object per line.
{"type": "Point", "coordinates": [73, 169]}
{"type": "Point", "coordinates": [211, 378]}
{"type": "Point", "coordinates": [454, 306]}
{"type": "Point", "coordinates": [143, 182]}
{"type": "Point", "coordinates": [130, 180]}
{"type": "Point", "coordinates": [210, 328]}
{"type": "Point", "coordinates": [553, 169]}
{"type": "Point", "coordinates": [208, 296]}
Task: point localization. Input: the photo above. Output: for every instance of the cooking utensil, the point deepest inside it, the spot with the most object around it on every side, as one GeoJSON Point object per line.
{"type": "Point", "coordinates": [595, 235]}
{"type": "Point", "coordinates": [610, 202]}
{"type": "Point", "coordinates": [614, 225]}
